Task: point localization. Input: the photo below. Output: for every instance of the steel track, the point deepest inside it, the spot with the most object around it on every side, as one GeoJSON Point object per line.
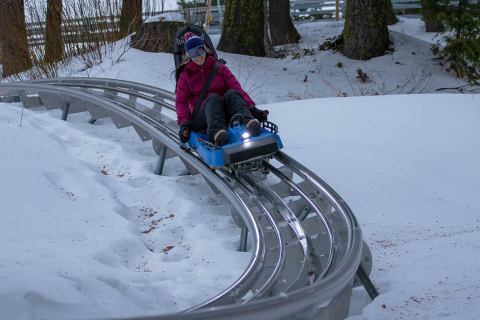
{"type": "Point", "coordinates": [305, 242]}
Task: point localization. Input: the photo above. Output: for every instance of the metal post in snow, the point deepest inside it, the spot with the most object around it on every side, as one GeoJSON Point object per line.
{"type": "Point", "coordinates": [367, 283]}
{"type": "Point", "coordinates": [161, 160]}
{"type": "Point", "coordinates": [243, 239]}
{"type": "Point", "coordinates": [65, 108]}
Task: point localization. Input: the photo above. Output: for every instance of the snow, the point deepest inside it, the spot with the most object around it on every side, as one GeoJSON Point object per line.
{"type": "Point", "coordinates": [408, 167]}
{"type": "Point", "coordinates": [168, 16]}
{"type": "Point", "coordinates": [87, 230]}
{"type": "Point", "coordinates": [309, 73]}
{"type": "Point", "coordinates": [415, 28]}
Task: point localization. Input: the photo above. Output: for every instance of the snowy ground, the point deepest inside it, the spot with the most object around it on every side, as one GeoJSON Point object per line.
{"type": "Point", "coordinates": [89, 231]}
{"type": "Point", "coordinates": [415, 28]}
{"type": "Point", "coordinates": [408, 167]}
{"type": "Point", "coordinates": [305, 72]}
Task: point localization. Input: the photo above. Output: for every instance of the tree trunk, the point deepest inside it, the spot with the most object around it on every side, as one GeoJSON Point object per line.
{"type": "Point", "coordinates": [53, 32]}
{"type": "Point", "coordinates": [390, 15]}
{"type": "Point", "coordinates": [130, 17]}
{"type": "Point", "coordinates": [13, 37]}
{"type": "Point", "coordinates": [430, 10]}
{"type": "Point", "coordinates": [156, 36]}
{"type": "Point", "coordinates": [242, 30]}
{"type": "Point", "coordinates": [280, 28]}
{"type": "Point", "coordinates": [365, 33]}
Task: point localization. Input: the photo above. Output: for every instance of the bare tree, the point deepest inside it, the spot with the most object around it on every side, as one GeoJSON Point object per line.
{"type": "Point", "coordinates": [365, 33]}
{"type": "Point", "coordinates": [243, 28]}
{"type": "Point", "coordinates": [279, 26]}
{"type": "Point", "coordinates": [130, 16]}
{"type": "Point", "coordinates": [53, 32]}
{"type": "Point", "coordinates": [13, 37]}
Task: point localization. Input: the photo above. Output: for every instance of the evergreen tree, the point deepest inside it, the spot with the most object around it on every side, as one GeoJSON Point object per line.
{"type": "Point", "coordinates": [462, 48]}
{"type": "Point", "coordinates": [279, 26]}
{"type": "Point", "coordinates": [365, 34]}
{"type": "Point", "coordinates": [430, 11]}
{"type": "Point", "coordinates": [53, 32]}
{"type": "Point", "coordinates": [13, 37]}
{"type": "Point", "coordinates": [390, 14]}
{"type": "Point", "coordinates": [242, 30]}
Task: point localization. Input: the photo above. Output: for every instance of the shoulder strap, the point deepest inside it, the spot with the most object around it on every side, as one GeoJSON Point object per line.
{"type": "Point", "coordinates": [204, 91]}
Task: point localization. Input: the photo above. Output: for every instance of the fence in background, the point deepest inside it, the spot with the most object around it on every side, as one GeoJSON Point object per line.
{"type": "Point", "coordinates": [318, 9]}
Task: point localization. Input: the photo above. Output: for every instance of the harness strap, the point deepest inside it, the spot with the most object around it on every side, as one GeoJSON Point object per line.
{"type": "Point", "coordinates": [204, 91]}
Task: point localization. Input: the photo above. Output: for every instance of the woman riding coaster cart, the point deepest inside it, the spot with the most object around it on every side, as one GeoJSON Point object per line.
{"type": "Point", "coordinates": [209, 97]}
{"type": "Point", "coordinates": [218, 120]}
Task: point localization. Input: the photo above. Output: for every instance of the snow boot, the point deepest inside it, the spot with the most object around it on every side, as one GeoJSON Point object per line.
{"type": "Point", "coordinates": [253, 127]}
{"type": "Point", "coordinates": [221, 137]}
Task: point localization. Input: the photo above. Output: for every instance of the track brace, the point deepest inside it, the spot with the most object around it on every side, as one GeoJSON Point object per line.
{"type": "Point", "coordinates": [367, 283]}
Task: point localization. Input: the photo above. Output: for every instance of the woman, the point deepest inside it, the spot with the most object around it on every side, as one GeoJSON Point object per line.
{"type": "Point", "coordinates": [224, 101]}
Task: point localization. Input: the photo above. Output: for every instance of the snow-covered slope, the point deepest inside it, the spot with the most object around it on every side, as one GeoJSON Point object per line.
{"type": "Point", "coordinates": [304, 73]}
{"type": "Point", "coordinates": [90, 231]}
{"type": "Point", "coordinates": [409, 168]}
{"type": "Point", "coordinates": [87, 231]}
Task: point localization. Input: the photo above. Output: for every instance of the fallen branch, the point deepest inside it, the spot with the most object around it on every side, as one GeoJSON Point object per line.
{"type": "Point", "coordinates": [461, 88]}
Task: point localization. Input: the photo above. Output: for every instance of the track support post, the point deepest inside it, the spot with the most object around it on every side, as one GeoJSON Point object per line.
{"type": "Point", "coordinates": [161, 160]}
{"type": "Point", "coordinates": [367, 283]}
{"type": "Point", "coordinates": [243, 239]}
{"type": "Point", "coordinates": [65, 108]}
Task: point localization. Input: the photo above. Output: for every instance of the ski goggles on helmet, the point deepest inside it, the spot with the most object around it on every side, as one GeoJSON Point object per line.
{"type": "Point", "coordinates": [196, 52]}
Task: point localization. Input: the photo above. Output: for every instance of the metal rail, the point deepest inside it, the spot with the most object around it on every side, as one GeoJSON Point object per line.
{"type": "Point", "coordinates": [306, 243]}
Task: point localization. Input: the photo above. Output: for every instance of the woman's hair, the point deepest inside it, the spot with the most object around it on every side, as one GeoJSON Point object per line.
{"type": "Point", "coordinates": [180, 68]}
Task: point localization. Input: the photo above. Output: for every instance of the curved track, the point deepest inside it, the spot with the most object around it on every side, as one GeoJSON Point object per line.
{"type": "Point", "coordinates": [305, 242]}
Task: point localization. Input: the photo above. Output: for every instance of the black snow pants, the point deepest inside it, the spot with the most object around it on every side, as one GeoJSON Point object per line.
{"type": "Point", "coordinates": [216, 112]}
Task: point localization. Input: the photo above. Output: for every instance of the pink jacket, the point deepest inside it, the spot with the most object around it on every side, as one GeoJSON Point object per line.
{"type": "Point", "coordinates": [191, 81]}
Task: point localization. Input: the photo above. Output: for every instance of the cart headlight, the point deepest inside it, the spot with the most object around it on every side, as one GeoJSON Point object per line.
{"type": "Point", "coordinates": [245, 135]}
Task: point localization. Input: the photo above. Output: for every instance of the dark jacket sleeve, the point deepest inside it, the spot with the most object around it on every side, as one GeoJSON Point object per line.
{"type": "Point", "coordinates": [182, 99]}
{"type": "Point", "coordinates": [232, 83]}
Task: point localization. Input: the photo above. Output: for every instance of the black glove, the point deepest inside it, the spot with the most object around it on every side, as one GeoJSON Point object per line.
{"type": "Point", "coordinates": [185, 129]}
{"type": "Point", "coordinates": [260, 115]}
